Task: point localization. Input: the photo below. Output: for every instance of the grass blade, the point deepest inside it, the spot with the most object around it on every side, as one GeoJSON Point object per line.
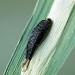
{"type": "Point", "coordinates": [49, 57]}
{"type": "Point", "coordinates": [41, 10]}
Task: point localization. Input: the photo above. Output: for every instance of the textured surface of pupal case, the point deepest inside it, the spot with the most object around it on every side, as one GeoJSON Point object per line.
{"type": "Point", "coordinates": [37, 35]}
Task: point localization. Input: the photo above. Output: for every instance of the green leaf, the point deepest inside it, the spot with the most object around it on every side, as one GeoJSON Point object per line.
{"type": "Point", "coordinates": [40, 12]}
{"type": "Point", "coordinates": [64, 46]}
{"type": "Point", "coordinates": [53, 51]}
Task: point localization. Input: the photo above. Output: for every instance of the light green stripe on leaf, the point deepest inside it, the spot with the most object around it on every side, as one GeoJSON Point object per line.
{"type": "Point", "coordinates": [64, 46]}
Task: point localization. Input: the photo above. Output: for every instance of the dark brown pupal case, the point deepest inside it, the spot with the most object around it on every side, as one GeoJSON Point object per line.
{"type": "Point", "coordinates": [37, 35]}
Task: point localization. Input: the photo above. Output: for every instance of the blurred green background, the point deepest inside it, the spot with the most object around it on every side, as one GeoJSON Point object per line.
{"type": "Point", "coordinates": [14, 14]}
